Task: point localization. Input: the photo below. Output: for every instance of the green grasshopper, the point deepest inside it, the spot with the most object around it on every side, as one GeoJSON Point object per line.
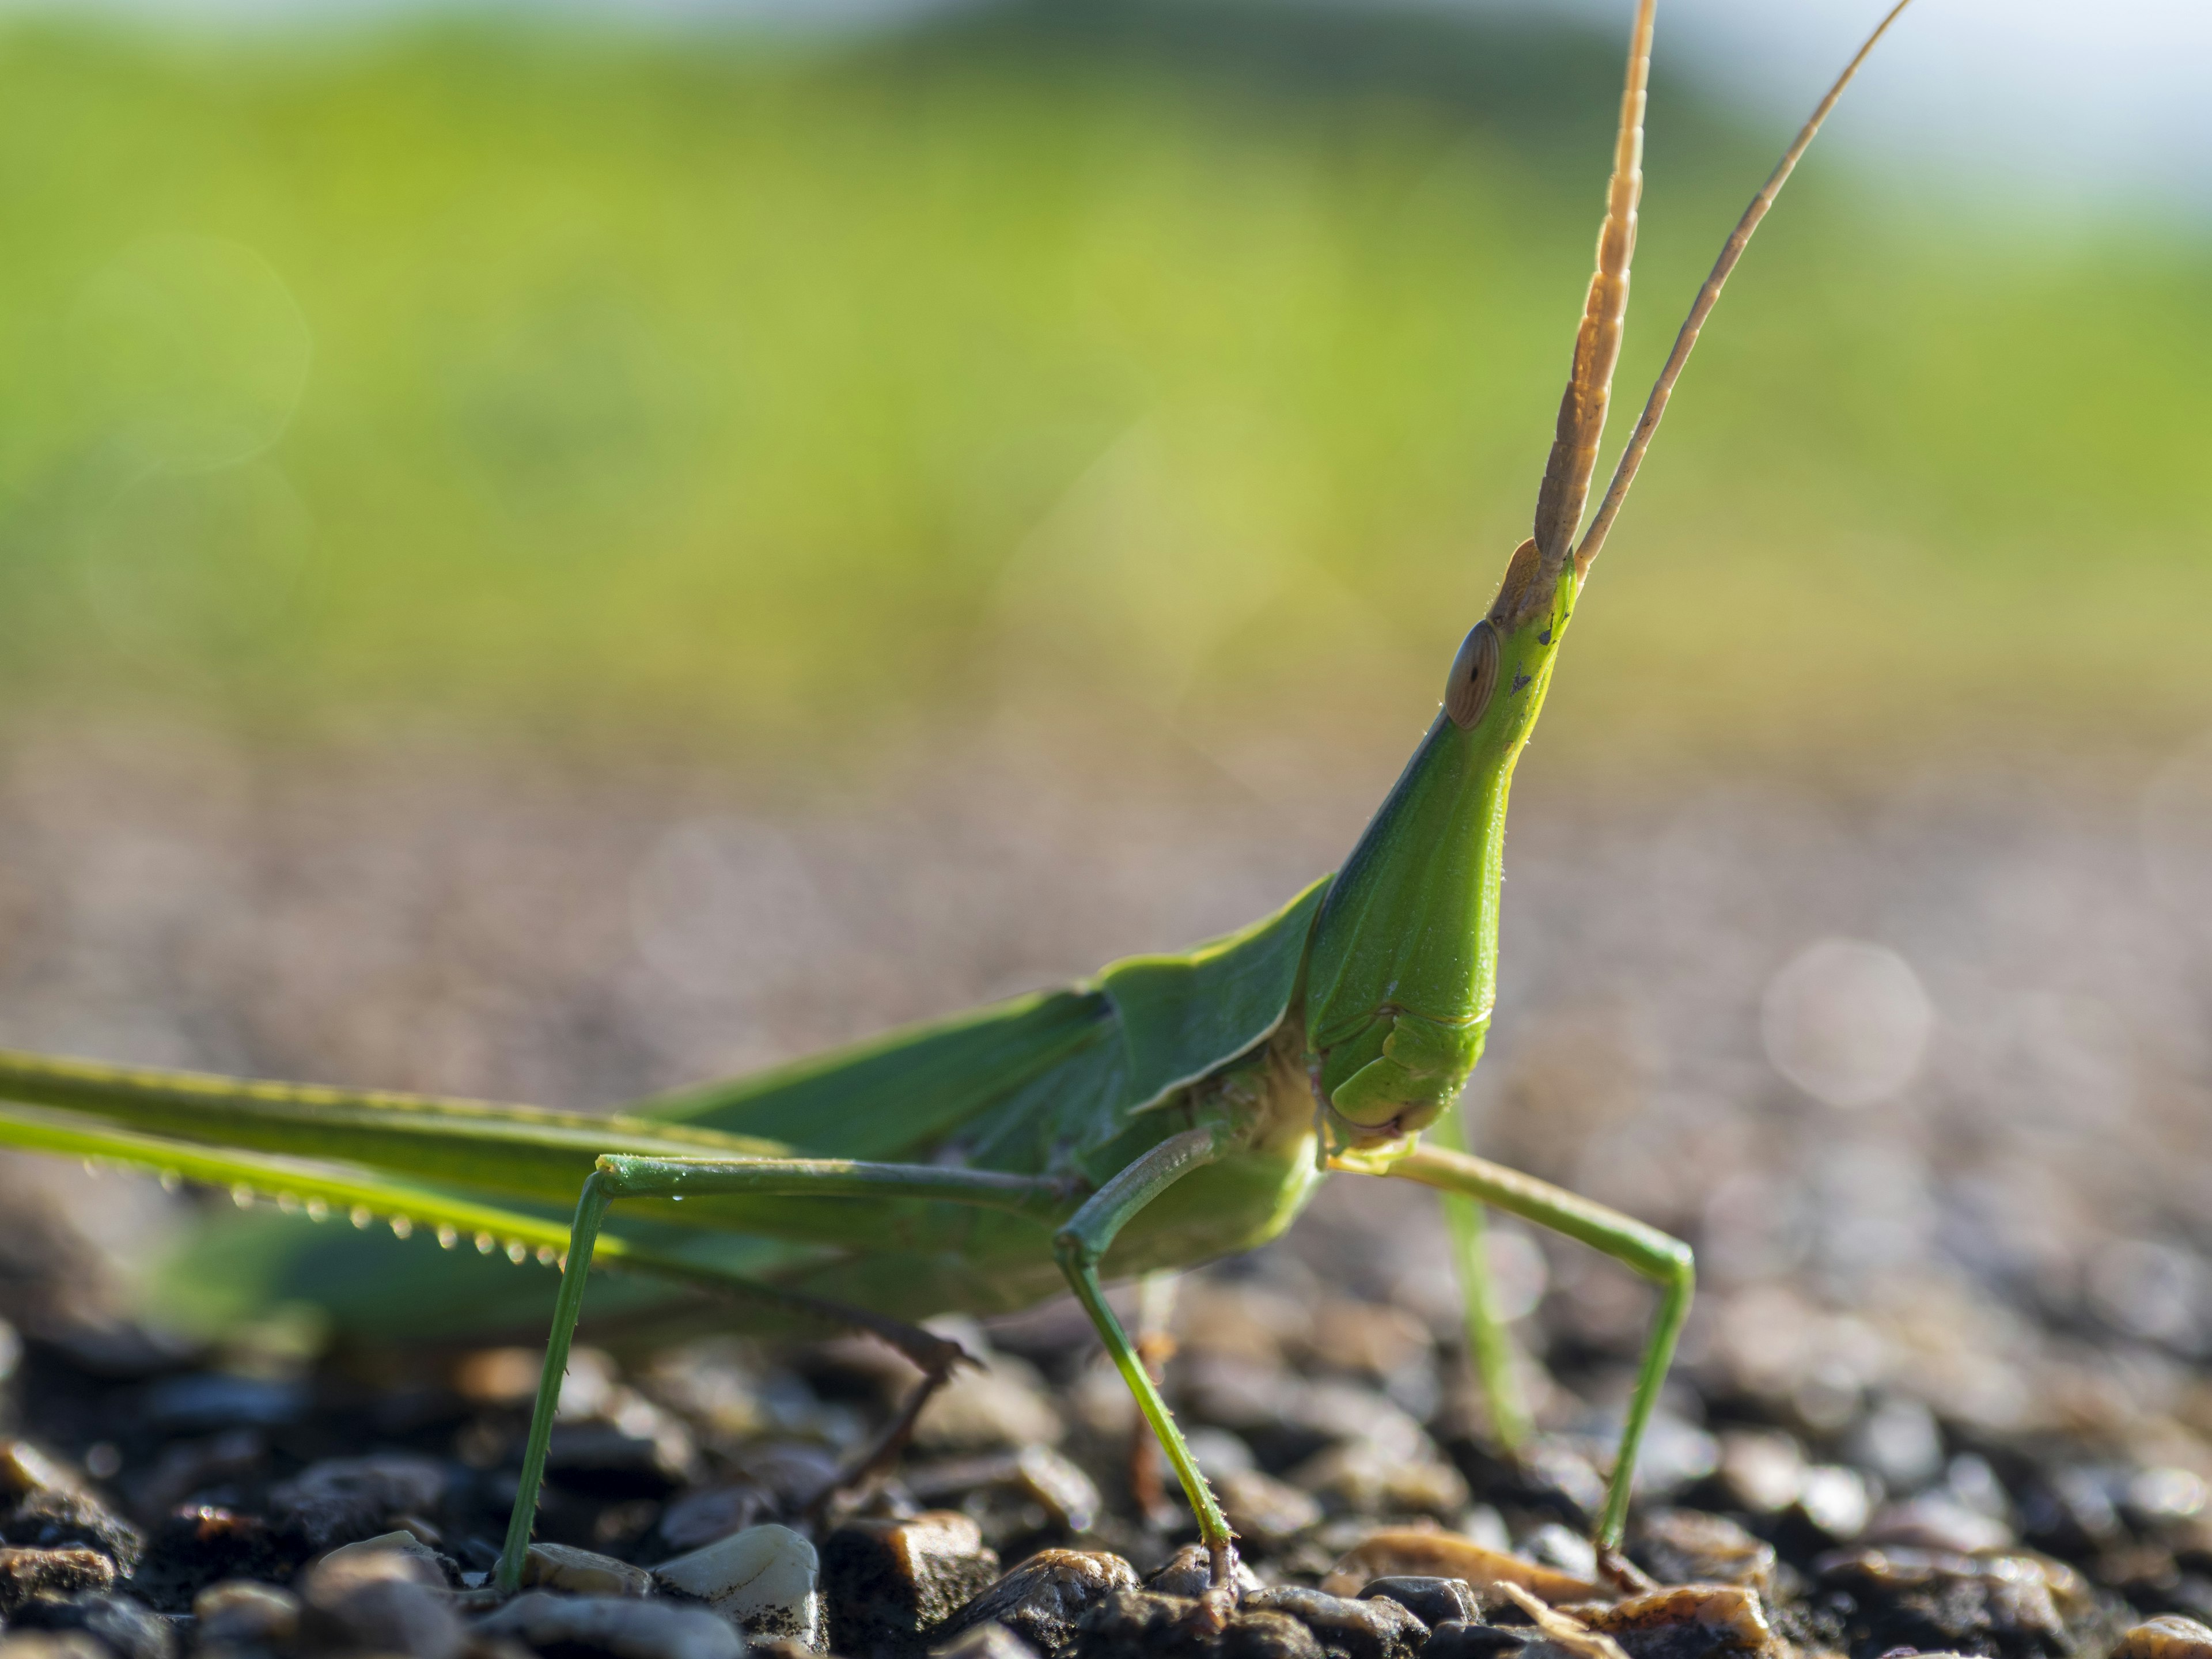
{"type": "Point", "coordinates": [1173, 1109]}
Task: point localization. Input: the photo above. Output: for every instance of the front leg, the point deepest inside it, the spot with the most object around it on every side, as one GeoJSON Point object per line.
{"type": "Point", "coordinates": [1663, 1259]}
{"type": "Point", "coordinates": [1080, 1246]}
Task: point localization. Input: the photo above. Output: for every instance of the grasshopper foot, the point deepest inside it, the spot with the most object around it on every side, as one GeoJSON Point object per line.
{"type": "Point", "coordinates": [1617, 1572]}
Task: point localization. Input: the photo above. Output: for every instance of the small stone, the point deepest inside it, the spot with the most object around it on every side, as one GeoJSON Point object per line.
{"type": "Point", "coordinates": [1432, 1600]}
{"type": "Point", "coordinates": [1362, 1477]}
{"type": "Point", "coordinates": [53, 1644]}
{"type": "Point", "coordinates": [1454, 1640]}
{"type": "Point", "coordinates": [386, 1599]}
{"type": "Point", "coordinates": [1835, 1500]}
{"type": "Point", "coordinates": [24, 1468]}
{"type": "Point", "coordinates": [128, 1628]}
{"type": "Point", "coordinates": [988, 1640]}
{"type": "Point", "coordinates": [1372, 1337]}
{"type": "Point", "coordinates": [764, 1580]}
{"type": "Point", "coordinates": [1689, 1547]}
{"type": "Point", "coordinates": [425, 1566]}
{"type": "Point", "coordinates": [1188, 1573]}
{"type": "Point", "coordinates": [57, 1518]}
{"type": "Point", "coordinates": [582, 1572]}
{"type": "Point", "coordinates": [1694, 1622]}
{"type": "Point", "coordinates": [1934, 1601]}
{"type": "Point", "coordinates": [1000, 1403]}
{"type": "Point", "coordinates": [1378, 1628]}
{"type": "Point", "coordinates": [1935, 1521]}
{"type": "Point", "coordinates": [889, 1584]}
{"type": "Point", "coordinates": [1062, 1490]}
{"type": "Point", "coordinates": [344, 1499]}
{"type": "Point", "coordinates": [2170, 1637]}
{"type": "Point", "coordinates": [1403, 1550]}
{"type": "Point", "coordinates": [1043, 1599]}
{"type": "Point", "coordinates": [207, 1401]}
{"type": "Point", "coordinates": [240, 1612]}
{"type": "Point", "coordinates": [1141, 1624]}
{"type": "Point", "coordinates": [25, 1573]}
{"type": "Point", "coordinates": [1268, 1511]}
{"type": "Point", "coordinates": [199, 1546]}
{"type": "Point", "coordinates": [1899, 1442]}
{"type": "Point", "coordinates": [1762, 1471]}
{"type": "Point", "coordinates": [645, 1452]}
{"type": "Point", "coordinates": [701, 1517]}
{"type": "Point", "coordinates": [1068, 1496]}
{"type": "Point", "coordinates": [1260, 1634]}
{"type": "Point", "coordinates": [51, 1507]}
{"type": "Point", "coordinates": [1559, 1547]}
{"type": "Point", "coordinates": [621, 1626]}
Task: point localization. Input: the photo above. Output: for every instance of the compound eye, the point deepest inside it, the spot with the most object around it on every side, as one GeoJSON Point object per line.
{"type": "Point", "coordinates": [1473, 676]}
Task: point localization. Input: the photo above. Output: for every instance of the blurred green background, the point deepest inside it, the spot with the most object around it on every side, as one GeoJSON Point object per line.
{"type": "Point", "coordinates": [1180, 369]}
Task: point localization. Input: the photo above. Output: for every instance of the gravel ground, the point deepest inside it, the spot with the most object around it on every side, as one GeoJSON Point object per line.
{"type": "Point", "coordinates": [1924, 1072]}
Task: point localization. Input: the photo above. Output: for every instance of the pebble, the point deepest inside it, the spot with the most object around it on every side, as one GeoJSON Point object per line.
{"type": "Point", "coordinates": [582, 1572]}
{"type": "Point", "coordinates": [127, 1628]}
{"type": "Point", "coordinates": [621, 1626]}
{"type": "Point", "coordinates": [1899, 1442]}
{"type": "Point", "coordinates": [1143, 1625]}
{"type": "Point", "coordinates": [1068, 1496]}
{"type": "Point", "coordinates": [1002, 1404]}
{"type": "Point", "coordinates": [2170, 1637]}
{"type": "Point", "coordinates": [240, 1612]}
{"type": "Point", "coordinates": [701, 1517]}
{"type": "Point", "coordinates": [59, 1517]}
{"type": "Point", "coordinates": [1556, 1545]}
{"type": "Point", "coordinates": [1432, 1600]}
{"type": "Point", "coordinates": [889, 1584]}
{"type": "Point", "coordinates": [1693, 1622]}
{"type": "Point", "coordinates": [1367, 1477]}
{"type": "Point", "coordinates": [1259, 1634]}
{"type": "Point", "coordinates": [25, 1573]}
{"type": "Point", "coordinates": [344, 1499]}
{"type": "Point", "coordinates": [217, 1400]}
{"type": "Point", "coordinates": [1935, 1521]}
{"type": "Point", "coordinates": [1458, 1640]}
{"type": "Point", "coordinates": [24, 1468]}
{"type": "Point", "coordinates": [765, 1580]}
{"type": "Point", "coordinates": [201, 1545]}
{"type": "Point", "coordinates": [1932, 1600]}
{"type": "Point", "coordinates": [426, 1566]}
{"type": "Point", "coordinates": [1834, 1500]}
{"type": "Point", "coordinates": [988, 1640]}
{"type": "Point", "coordinates": [1267, 1512]}
{"type": "Point", "coordinates": [52, 1508]}
{"type": "Point", "coordinates": [1189, 1573]}
{"type": "Point", "coordinates": [1687, 1547]}
{"type": "Point", "coordinates": [1762, 1471]}
{"type": "Point", "coordinates": [1043, 1599]}
{"type": "Point", "coordinates": [386, 1599]}
{"type": "Point", "coordinates": [642, 1451]}
{"type": "Point", "coordinates": [1404, 1550]}
{"type": "Point", "coordinates": [1377, 1629]}
{"type": "Point", "coordinates": [53, 1644]}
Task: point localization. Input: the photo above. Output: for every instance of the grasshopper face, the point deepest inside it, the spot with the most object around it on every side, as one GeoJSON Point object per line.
{"type": "Point", "coordinates": [1403, 968]}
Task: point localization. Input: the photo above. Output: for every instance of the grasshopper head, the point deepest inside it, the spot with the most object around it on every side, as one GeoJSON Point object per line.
{"type": "Point", "coordinates": [1403, 968]}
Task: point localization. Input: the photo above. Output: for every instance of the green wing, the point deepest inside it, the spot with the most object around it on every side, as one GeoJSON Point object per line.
{"type": "Point", "coordinates": [1030, 1085]}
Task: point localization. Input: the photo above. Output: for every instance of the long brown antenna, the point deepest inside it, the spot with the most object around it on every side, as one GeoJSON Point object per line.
{"type": "Point", "coordinates": [1655, 407]}
{"type": "Point", "coordinates": [1573, 459]}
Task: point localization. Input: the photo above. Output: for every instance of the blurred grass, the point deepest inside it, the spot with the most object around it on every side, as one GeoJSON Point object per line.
{"type": "Point", "coordinates": [1189, 366]}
